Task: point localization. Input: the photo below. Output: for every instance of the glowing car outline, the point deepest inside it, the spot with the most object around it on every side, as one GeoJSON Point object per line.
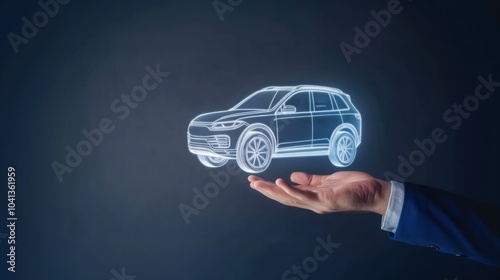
{"type": "Point", "coordinates": [268, 125]}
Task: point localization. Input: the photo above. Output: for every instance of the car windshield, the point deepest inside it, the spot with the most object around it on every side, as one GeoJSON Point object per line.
{"type": "Point", "coordinates": [262, 100]}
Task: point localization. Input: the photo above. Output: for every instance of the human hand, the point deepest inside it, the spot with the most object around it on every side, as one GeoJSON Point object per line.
{"type": "Point", "coordinates": [340, 191]}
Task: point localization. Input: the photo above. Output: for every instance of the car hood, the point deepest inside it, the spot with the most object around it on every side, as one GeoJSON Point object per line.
{"type": "Point", "coordinates": [229, 115]}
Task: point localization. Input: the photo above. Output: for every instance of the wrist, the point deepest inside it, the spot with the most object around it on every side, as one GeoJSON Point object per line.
{"type": "Point", "coordinates": [382, 196]}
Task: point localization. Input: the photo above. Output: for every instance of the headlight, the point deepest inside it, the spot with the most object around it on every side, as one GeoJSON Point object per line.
{"type": "Point", "coordinates": [226, 125]}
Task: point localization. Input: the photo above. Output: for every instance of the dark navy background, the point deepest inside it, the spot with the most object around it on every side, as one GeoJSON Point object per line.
{"type": "Point", "coordinates": [119, 207]}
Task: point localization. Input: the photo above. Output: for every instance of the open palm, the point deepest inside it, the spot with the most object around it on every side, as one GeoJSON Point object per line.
{"type": "Point", "coordinates": [340, 191]}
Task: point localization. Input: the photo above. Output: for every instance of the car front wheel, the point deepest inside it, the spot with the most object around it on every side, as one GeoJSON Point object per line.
{"type": "Point", "coordinates": [254, 152]}
{"type": "Point", "coordinates": [342, 149]}
{"type": "Point", "coordinates": [213, 162]}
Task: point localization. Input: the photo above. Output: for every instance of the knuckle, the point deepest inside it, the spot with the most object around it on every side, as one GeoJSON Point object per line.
{"type": "Point", "coordinates": [309, 177]}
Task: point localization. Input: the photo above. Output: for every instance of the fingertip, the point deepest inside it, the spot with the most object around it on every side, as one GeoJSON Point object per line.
{"type": "Point", "coordinates": [289, 189]}
{"type": "Point", "coordinates": [295, 175]}
{"type": "Point", "coordinates": [253, 178]}
{"type": "Point", "coordinates": [299, 177]}
{"type": "Point", "coordinates": [281, 183]}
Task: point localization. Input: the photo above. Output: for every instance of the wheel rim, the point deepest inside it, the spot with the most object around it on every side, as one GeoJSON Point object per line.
{"type": "Point", "coordinates": [345, 149]}
{"type": "Point", "coordinates": [257, 153]}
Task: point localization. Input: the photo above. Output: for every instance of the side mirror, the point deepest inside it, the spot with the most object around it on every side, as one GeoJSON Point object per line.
{"type": "Point", "coordinates": [288, 109]}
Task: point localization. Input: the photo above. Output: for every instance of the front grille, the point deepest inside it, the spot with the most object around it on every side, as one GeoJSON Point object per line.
{"type": "Point", "coordinates": [215, 141]}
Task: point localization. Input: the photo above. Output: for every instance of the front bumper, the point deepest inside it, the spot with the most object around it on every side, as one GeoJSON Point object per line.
{"type": "Point", "coordinates": [203, 141]}
{"type": "Point", "coordinates": [213, 145]}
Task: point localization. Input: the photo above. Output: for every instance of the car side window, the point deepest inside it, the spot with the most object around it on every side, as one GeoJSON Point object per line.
{"type": "Point", "coordinates": [341, 105]}
{"type": "Point", "coordinates": [322, 101]}
{"type": "Point", "coordinates": [300, 101]}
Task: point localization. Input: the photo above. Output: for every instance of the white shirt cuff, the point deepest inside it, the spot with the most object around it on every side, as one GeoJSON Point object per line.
{"type": "Point", "coordinates": [390, 220]}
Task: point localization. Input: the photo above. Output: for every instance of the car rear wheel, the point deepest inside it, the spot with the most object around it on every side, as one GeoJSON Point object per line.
{"type": "Point", "coordinates": [213, 162]}
{"type": "Point", "coordinates": [342, 149]}
{"type": "Point", "coordinates": [254, 152]}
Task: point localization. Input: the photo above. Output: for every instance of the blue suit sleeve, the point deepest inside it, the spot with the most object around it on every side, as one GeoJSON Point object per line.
{"type": "Point", "coordinates": [450, 223]}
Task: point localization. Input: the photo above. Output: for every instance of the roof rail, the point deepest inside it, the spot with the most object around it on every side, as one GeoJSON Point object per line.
{"type": "Point", "coordinates": [271, 87]}
{"type": "Point", "coordinates": [319, 87]}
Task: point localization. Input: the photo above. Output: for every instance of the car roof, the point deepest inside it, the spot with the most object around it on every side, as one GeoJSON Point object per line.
{"type": "Point", "coordinates": [306, 87]}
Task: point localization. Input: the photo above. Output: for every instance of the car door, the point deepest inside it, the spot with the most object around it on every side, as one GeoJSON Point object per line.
{"type": "Point", "coordinates": [325, 117]}
{"type": "Point", "coordinates": [295, 128]}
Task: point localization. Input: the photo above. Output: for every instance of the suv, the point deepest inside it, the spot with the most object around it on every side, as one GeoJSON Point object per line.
{"type": "Point", "coordinates": [291, 121]}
